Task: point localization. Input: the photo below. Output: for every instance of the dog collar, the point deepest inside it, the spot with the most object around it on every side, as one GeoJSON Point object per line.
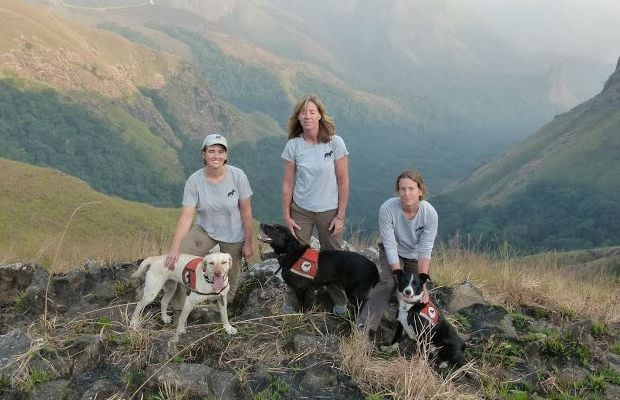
{"type": "Point", "coordinates": [209, 294]}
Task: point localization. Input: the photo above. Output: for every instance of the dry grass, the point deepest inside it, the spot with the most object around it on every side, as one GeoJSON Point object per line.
{"type": "Point", "coordinates": [399, 377]}
{"type": "Point", "coordinates": [542, 281]}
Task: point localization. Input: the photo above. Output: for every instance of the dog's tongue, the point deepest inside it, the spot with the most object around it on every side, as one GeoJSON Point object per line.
{"type": "Point", "coordinates": [218, 282]}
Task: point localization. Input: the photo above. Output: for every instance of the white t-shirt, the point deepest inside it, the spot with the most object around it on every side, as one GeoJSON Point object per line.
{"type": "Point", "coordinates": [218, 203]}
{"type": "Point", "coordinates": [316, 187]}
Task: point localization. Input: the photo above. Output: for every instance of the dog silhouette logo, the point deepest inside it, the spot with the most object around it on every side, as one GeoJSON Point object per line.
{"type": "Point", "coordinates": [328, 154]}
{"type": "Point", "coordinates": [231, 193]}
{"type": "Point", "coordinates": [306, 266]}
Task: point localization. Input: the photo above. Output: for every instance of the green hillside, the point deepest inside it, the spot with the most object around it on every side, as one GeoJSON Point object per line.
{"type": "Point", "coordinates": [37, 205]}
{"type": "Point", "coordinates": [558, 189]}
{"type": "Point", "coordinates": [125, 118]}
{"type": "Point", "coordinates": [110, 149]}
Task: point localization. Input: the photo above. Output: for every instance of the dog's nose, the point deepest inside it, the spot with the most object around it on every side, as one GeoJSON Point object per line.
{"type": "Point", "coordinates": [407, 292]}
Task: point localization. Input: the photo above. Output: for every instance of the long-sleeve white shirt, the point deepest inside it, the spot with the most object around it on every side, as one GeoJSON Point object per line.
{"type": "Point", "coordinates": [413, 239]}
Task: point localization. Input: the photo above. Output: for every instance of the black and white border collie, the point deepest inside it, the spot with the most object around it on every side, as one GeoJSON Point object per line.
{"type": "Point", "coordinates": [417, 319]}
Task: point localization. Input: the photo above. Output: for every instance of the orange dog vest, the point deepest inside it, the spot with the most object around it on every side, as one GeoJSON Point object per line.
{"type": "Point", "coordinates": [431, 313]}
{"type": "Point", "coordinates": [189, 273]}
{"type": "Point", "coordinates": [307, 265]}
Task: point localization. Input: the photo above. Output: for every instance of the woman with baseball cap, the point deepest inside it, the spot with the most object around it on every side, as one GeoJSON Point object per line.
{"type": "Point", "coordinates": [221, 194]}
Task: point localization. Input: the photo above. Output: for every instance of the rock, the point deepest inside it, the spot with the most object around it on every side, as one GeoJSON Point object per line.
{"type": "Point", "coordinates": [101, 389]}
{"type": "Point", "coordinates": [484, 320]}
{"type": "Point", "coordinates": [164, 345]}
{"type": "Point", "coordinates": [463, 296]}
{"type": "Point", "coordinates": [27, 280]}
{"type": "Point", "coordinates": [508, 328]}
{"type": "Point", "coordinates": [328, 344]}
{"type": "Point", "coordinates": [84, 351]}
{"type": "Point", "coordinates": [197, 380]}
{"type": "Point", "coordinates": [317, 379]}
{"type": "Point", "coordinates": [12, 345]}
{"type": "Point", "coordinates": [58, 389]}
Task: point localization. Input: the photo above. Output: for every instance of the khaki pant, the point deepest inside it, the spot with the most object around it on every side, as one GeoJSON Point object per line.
{"type": "Point", "coordinates": [307, 220]}
{"type": "Point", "coordinates": [372, 312]}
{"type": "Point", "coordinates": [198, 243]}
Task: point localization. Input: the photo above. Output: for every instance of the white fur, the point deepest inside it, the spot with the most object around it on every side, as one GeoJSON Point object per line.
{"type": "Point", "coordinates": [403, 309]}
{"type": "Point", "coordinates": [158, 277]}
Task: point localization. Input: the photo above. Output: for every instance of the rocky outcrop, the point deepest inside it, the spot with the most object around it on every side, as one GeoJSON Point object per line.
{"type": "Point", "coordinates": [67, 336]}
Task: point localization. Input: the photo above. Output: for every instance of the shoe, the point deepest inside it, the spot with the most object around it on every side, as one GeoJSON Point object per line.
{"type": "Point", "coordinates": [340, 310]}
{"type": "Point", "coordinates": [287, 309]}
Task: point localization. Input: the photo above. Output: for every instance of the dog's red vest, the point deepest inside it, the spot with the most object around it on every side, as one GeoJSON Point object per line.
{"type": "Point", "coordinates": [431, 313]}
{"type": "Point", "coordinates": [307, 265]}
{"type": "Point", "coordinates": [189, 273]}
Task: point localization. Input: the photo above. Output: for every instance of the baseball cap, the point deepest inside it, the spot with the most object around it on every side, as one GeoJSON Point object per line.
{"type": "Point", "coordinates": [215, 138]}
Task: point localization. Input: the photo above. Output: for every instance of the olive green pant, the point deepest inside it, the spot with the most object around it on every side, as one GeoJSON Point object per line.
{"type": "Point", "coordinates": [307, 220]}
{"type": "Point", "coordinates": [198, 243]}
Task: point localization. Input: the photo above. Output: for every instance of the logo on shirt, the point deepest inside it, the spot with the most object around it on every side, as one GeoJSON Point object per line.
{"type": "Point", "coordinates": [418, 229]}
{"type": "Point", "coordinates": [328, 154]}
{"type": "Point", "coordinates": [231, 193]}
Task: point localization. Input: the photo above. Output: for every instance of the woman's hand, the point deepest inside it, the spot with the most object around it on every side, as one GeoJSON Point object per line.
{"type": "Point", "coordinates": [425, 295]}
{"type": "Point", "coordinates": [247, 250]}
{"type": "Point", "coordinates": [171, 259]}
{"type": "Point", "coordinates": [336, 226]}
{"type": "Point", "coordinates": [291, 225]}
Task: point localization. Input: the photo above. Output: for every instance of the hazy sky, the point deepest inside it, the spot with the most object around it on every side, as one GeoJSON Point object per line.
{"type": "Point", "coordinates": [589, 28]}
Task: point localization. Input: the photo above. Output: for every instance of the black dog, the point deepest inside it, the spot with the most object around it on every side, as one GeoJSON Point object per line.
{"type": "Point", "coordinates": [351, 270]}
{"type": "Point", "coordinates": [416, 318]}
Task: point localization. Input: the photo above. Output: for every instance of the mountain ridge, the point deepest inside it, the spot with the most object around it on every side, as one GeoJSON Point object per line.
{"type": "Point", "coordinates": [556, 189]}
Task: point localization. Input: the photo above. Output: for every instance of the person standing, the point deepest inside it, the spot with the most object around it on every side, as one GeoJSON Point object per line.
{"type": "Point", "coordinates": [407, 227]}
{"type": "Point", "coordinates": [221, 194]}
{"type": "Point", "coordinates": [315, 186]}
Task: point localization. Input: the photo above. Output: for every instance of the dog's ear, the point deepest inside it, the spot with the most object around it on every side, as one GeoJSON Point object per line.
{"type": "Point", "coordinates": [424, 278]}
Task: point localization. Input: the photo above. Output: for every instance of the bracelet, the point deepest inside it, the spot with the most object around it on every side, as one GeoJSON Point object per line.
{"type": "Point", "coordinates": [341, 219]}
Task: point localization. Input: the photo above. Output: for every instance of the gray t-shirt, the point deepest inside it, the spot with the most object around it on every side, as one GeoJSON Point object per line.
{"type": "Point", "coordinates": [218, 203]}
{"type": "Point", "coordinates": [407, 238]}
{"type": "Point", "coordinates": [316, 187]}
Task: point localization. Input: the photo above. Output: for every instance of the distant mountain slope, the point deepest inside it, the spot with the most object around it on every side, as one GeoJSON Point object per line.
{"type": "Point", "coordinates": [37, 204]}
{"type": "Point", "coordinates": [126, 118]}
{"type": "Point", "coordinates": [557, 189]}
{"type": "Point", "coordinates": [236, 67]}
{"type": "Point", "coordinates": [41, 46]}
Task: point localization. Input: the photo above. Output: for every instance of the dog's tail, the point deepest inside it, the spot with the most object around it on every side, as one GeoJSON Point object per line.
{"type": "Point", "coordinates": [143, 268]}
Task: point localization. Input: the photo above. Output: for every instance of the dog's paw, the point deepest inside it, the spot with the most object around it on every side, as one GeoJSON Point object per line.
{"type": "Point", "coordinates": [166, 319]}
{"type": "Point", "coordinates": [390, 349]}
{"type": "Point", "coordinates": [135, 324]}
{"type": "Point", "coordinates": [181, 331]}
{"type": "Point", "coordinates": [230, 330]}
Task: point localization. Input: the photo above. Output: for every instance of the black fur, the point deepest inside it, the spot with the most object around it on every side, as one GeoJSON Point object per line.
{"type": "Point", "coordinates": [356, 273]}
{"type": "Point", "coordinates": [443, 335]}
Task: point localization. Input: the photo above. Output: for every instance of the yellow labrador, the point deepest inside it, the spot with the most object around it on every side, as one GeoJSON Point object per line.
{"type": "Point", "coordinates": [205, 277]}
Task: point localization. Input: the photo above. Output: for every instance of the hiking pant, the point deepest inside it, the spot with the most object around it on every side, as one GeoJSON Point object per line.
{"type": "Point", "coordinates": [307, 220]}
